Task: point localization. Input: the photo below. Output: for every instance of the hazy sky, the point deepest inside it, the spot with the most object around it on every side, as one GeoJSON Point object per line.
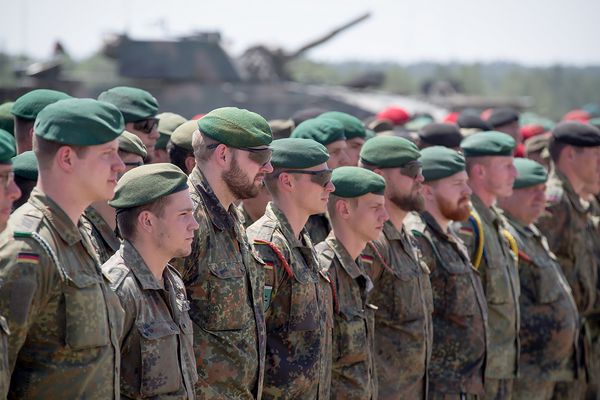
{"type": "Point", "coordinates": [532, 32]}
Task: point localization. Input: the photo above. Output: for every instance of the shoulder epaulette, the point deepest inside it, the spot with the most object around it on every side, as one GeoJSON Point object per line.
{"type": "Point", "coordinates": [279, 255]}
{"type": "Point", "coordinates": [380, 257]}
{"type": "Point", "coordinates": [116, 276]}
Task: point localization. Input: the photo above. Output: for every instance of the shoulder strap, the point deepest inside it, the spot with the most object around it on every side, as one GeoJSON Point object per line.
{"type": "Point", "coordinates": [279, 255]}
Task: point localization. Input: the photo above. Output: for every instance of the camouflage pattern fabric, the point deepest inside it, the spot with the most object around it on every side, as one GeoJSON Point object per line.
{"type": "Point", "coordinates": [318, 227]}
{"type": "Point", "coordinates": [64, 320]}
{"type": "Point", "coordinates": [353, 371]}
{"type": "Point", "coordinates": [225, 290]}
{"type": "Point", "coordinates": [500, 278]}
{"type": "Point", "coordinates": [403, 325]}
{"type": "Point", "coordinates": [459, 311]}
{"type": "Point", "coordinates": [245, 217]}
{"type": "Point", "coordinates": [549, 316]}
{"type": "Point", "coordinates": [4, 369]}
{"type": "Point", "coordinates": [157, 354]}
{"type": "Point", "coordinates": [298, 362]}
{"type": "Point", "coordinates": [105, 241]}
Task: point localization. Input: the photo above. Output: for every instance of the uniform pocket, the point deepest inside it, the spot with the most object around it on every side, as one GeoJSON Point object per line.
{"type": "Point", "coordinates": [350, 335]}
{"type": "Point", "coordinates": [460, 294]}
{"type": "Point", "coordinates": [227, 307]}
{"type": "Point", "coordinates": [497, 285]}
{"type": "Point", "coordinates": [548, 288]}
{"type": "Point", "coordinates": [160, 372]}
{"type": "Point", "coordinates": [407, 297]}
{"type": "Point", "coordinates": [304, 313]}
{"type": "Point", "coordinates": [85, 314]}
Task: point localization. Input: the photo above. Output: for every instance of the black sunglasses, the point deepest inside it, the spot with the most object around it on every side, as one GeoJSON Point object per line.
{"type": "Point", "coordinates": [321, 178]}
{"type": "Point", "coordinates": [261, 156]}
{"type": "Point", "coordinates": [146, 125]}
{"type": "Point", "coordinates": [412, 169]}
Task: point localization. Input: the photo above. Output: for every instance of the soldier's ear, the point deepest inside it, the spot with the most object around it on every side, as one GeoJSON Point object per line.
{"type": "Point", "coordinates": [144, 221]}
{"type": "Point", "coordinates": [65, 158]}
{"type": "Point", "coordinates": [342, 208]}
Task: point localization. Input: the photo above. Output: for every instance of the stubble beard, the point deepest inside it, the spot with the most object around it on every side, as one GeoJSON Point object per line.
{"type": "Point", "coordinates": [238, 182]}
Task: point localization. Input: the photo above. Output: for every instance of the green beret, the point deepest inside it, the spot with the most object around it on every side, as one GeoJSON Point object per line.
{"type": "Point", "coordinates": [182, 137]}
{"type": "Point", "coordinates": [135, 104]}
{"type": "Point", "coordinates": [145, 184]}
{"type": "Point", "coordinates": [354, 182]}
{"type": "Point", "coordinates": [490, 143]}
{"type": "Point", "coordinates": [297, 153]}
{"type": "Point", "coordinates": [388, 152]}
{"type": "Point", "coordinates": [594, 121]}
{"type": "Point", "coordinates": [168, 122]}
{"type": "Point", "coordinates": [530, 173]}
{"type": "Point", "coordinates": [353, 127]}
{"type": "Point", "coordinates": [440, 162]}
{"type": "Point", "coordinates": [7, 121]}
{"type": "Point", "coordinates": [130, 143]}
{"type": "Point", "coordinates": [577, 134]}
{"type": "Point", "coordinates": [30, 104]}
{"type": "Point", "coordinates": [162, 141]}
{"type": "Point", "coordinates": [322, 129]}
{"type": "Point", "coordinates": [7, 147]}
{"type": "Point", "coordinates": [79, 122]}
{"type": "Point", "coordinates": [236, 127]}
{"type": "Point", "coordinates": [25, 165]}
{"type": "Point", "coordinates": [418, 123]}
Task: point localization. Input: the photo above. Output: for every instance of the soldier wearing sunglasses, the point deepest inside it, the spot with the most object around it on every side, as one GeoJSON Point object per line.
{"type": "Point", "coordinates": [222, 274]}
{"type": "Point", "coordinates": [297, 299]}
{"type": "Point", "coordinates": [139, 110]}
{"type": "Point", "coordinates": [330, 133]}
{"type": "Point", "coordinates": [99, 219]}
{"type": "Point", "coordinates": [403, 325]}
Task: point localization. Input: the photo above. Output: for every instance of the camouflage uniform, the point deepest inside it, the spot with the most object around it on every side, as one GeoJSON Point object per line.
{"type": "Point", "coordinates": [245, 217]}
{"type": "Point", "coordinates": [318, 227]}
{"type": "Point", "coordinates": [65, 322]}
{"type": "Point", "coordinates": [500, 278]}
{"type": "Point", "coordinates": [403, 325]}
{"type": "Point", "coordinates": [298, 361]}
{"type": "Point", "coordinates": [354, 375]}
{"type": "Point", "coordinates": [157, 354]}
{"type": "Point", "coordinates": [225, 293]}
{"type": "Point", "coordinates": [459, 312]}
{"type": "Point", "coordinates": [549, 318]}
{"type": "Point", "coordinates": [104, 239]}
{"type": "Point", "coordinates": [568, 225]}
{"type": "Point", "coordinates": [4, 370]}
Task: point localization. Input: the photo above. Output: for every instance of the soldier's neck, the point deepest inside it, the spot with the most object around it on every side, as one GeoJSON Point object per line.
{"type": "Point", "coordinates": [576, 183]}
{"type": "Point", "coordinates": [396, 214]}
{"type": "Point", "coordinates": [488, 199]}
{"type": "Point", "coordinates": [108, 214]}
{"type": "Point", "coordinates": [295, 216]}
{"type": "Point", "coordinates": [219, 187]}
{"type": "Point", "coordinates": [442, 221]}
{"type": "Point", "coordinates": [153, 258]}
{"type": "Point", "coordinates": [65, 196]}
{"type": "Point", "coordinates": [344, 234]}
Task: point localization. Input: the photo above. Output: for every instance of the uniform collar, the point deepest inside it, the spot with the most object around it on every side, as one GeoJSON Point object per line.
{"type": "Point", "coordinates": [348, 264]}
{"type": "Point", "coordinates": [134, 261]}
{"type": "Point", "coordinates": [102, 226]}
{"type": "Point", "coordinates": [527, 231]}
{"type": "Point", "coordinates": [432, 223]}
{"type": "Point", "coordinates": [580, 204]}
{"type": "Point", "coordinates": [57, 218]}
{"type": "Point", "coordinates": [221, 218]}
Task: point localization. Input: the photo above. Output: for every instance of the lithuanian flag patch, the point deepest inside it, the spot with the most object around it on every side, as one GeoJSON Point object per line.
{"type": "Point", "coordinates": [28, 258]}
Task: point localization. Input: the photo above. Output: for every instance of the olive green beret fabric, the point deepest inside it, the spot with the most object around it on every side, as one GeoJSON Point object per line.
{"type": "Point", "coordinates": [182, 136]}
{"type": "Point", "coordinates": [440, 162]}
{"type": "Point", "coordinates": [7, 121]}
{"type": "Point", "coordinates": [130, 143]}
{"type": "Point", "coordinates": [236, 127]}
{"type": "Point", "coordinates": [30, 104]}
{"type": "Point", "coordinates": [168, 122]}
{"type": "Point", "coordinates": [147, 183]}
{"type": "Point", "coordinates": [530, 173]}
{"type": "Point", "coordinates": [353, 127]}
{"type": "Point", "coordinates": [418, 123]}
{"type": "Point", "coordinates": [162, 141]}
{"type": "Point", "coordinates": [594, 121]}
{"type": "Point", "coordinates": [7, 147]}
{"type": "Point", "coordinates": [490, 143]}
{"type": "Point", "coordinates": [135, 104]}
{"type": "Point", "coordinates": [577, 134]}
{"type": "Point", "coordinates": [354, 182]}
{"type": "Point", "coordinates": [388, 151]}
{"type": "Point", "coordinates": [79, 122]}
{"type": "Point", "coordinates": [297, 153]}
{"type": "Point", "coordinates": [321, 129]}
{"type": "Point", "coordinates": [25, 165]}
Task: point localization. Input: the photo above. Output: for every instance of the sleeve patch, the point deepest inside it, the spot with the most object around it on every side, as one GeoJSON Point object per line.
{"type": "Point", "coordinates": [28, 258]}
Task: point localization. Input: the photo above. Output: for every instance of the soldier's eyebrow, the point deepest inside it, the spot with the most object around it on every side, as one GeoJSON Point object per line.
{"type": "Point", "coordinates": [187, 209]}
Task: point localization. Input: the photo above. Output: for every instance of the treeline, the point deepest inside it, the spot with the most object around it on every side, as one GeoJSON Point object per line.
{"type": "Point", "coordinates": [554, 89]}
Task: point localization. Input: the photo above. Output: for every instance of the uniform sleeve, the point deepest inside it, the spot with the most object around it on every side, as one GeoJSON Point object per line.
{"type": "Point", "coordinates": [378, 250]}
{"type": "Point", "coordinates": [28, 280]}
{"type": "Point", "coordinates": [553, 224]}
{"type": "Point", "coordinates": [276, 270]}
{"type": "Point", "coordinates": [128, 302]}
{"type": "Point", "coordinates": [465, 232]}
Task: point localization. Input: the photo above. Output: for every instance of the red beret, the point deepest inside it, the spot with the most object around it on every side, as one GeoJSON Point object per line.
{"type": "Point", "coordinates": [452, 117]}
{"type": "Point", "coordinates": [531, 130]}
{"type": "Point", "coordinates": [486, 114]}
{"type": "Point", "coordinates": [397, 115]}
{"type": "Point", "coordinates": [520, 150]}
{"type": "Point", "coordinates": [197, 117]}
{"type": "Point", "coordinates": [577, 115]}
